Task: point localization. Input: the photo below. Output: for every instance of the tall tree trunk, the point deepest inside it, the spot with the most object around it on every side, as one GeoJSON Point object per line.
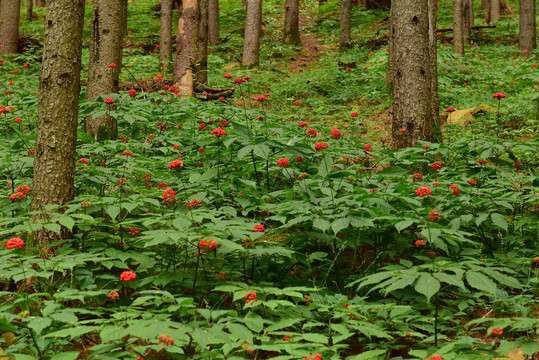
{"type": "Point", "coordinates": [165, 39]}
{"type": "Point", "coordinates": [466, 26]}
{"type": "Point", "coordinates": [58, 106]}
{"type": "Point", "coordinates": [105, 49]}
{"type": "Point", "coordinates": [9, 25]}
{"type": "Point", "coordinates": [485, 4]}
{"type": "Point", "coordinates": [291, 22]}
{"type": "Point", "coordinates": [202, 44]}
{"type": "Point", "coordinates": [346, 14]}
{"type": "Point", "coordinates": [527, 27]}
{"type": "Point", "coordinates": [124, 18]}
{"type": "Point", "coordinates": [471, 14]}
{"type": "Point", "coordinates": [433, 59]}
{"type": "Point", "coordinates": [412, 80]}
{"type": "Point", "coordinates": [251, 42]}
{"type": "Point", "coordinates": [213, 21]}
{"type": "Point", "coordinates": [40, 3]}
{"type": "Point", "coordinates": [458, 27]}
{"type": "Point", "coordinates": [184, 65]}
{"type": "Point", "coordinates": [494, 13]}
{"type": "Point", "coordinates": [30, 10]}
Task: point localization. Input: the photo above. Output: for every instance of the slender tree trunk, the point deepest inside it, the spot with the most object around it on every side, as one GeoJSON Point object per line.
{"type": "Point", "coordinates": [29, 10]}
{"type": "Point", "coordinates": [485, 4]}
{"type": "Point", "coordinates": [458, 27]}
{"type": "Point", "coordinates": [471, 14]}
{"type": "Point", "coordinates": [58, 105]}
{"type": "Point", "coordinates": [527, 27]}
{"type": "Point", "coordinates": [251, 43]}
{"type": "Point", "coordinates": [165, 39]}
{"type": "Point", "coordinates": [433, 59]}
{"type": "Point", "coordinates": [346, 14]}
{"type": "Point", "coordinates": [494, 13]}
{"type": "Point", "coordinates": [40, 3]}
{"type": "Point", "coordinates": [466, 26]}
{"type": "Point", "coordinates": [291, 22]}
{"type": "Point", "coordinates": [213, 21]}
{"type": "Point", "coordinates": [184, 66]}
{"type": "Point", "coordinates": [9, 25]}
{"type": "Point", "coordinates": [202, 44]}
{"type": "Point", "coordinates": [124, 18]}
{"type": "Point", "coordinates": [412, 80]}
{"type": "Point", "coordinates": [105, 49]}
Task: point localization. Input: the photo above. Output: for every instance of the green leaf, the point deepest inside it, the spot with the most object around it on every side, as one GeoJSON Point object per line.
{"type": "Point", "coordinates": [450, 279]}
{"type": "Point", "coordinates": [325, 166]}
{"type": "Point", "coordinates": [38, 324]}
{"type": "Point", "coordinates": [427, 285]}
{"type": "Point", "coordinates": [316, 338]}
{"type": "Point", "coordinates": [499, 220]}
{"type": "Point", "coordinates": [67, 221]}
{"type": "Point", "coordinates": [262, 150]}
{"type": "Point", "coordinates": [529, 348]}
{"type": "Point", "coordinates": [244, 151]}
{"type": "Point", "coordinates": [369, 355]}
{"type": "Point", "coordinates": [321, 224]}
{"type": "Point", "coordinates": [181, 224]}
{"type": "Point", "coordinates": [113, 211]}
{"type": "Point", "coordinates": [69, 355]}
{"type": "Point", "coordinates": [480, 281]}
{"type": "Point", "coordinates": [340, 224]}
{"type": "Point", "coordinates": [403, 281]}
{"type": "Point", "coordinates": [392, 171]}
{"type": "Point", "coordinates": [401, 225]}
{"type": "Point", "coordinates": [254, 321]}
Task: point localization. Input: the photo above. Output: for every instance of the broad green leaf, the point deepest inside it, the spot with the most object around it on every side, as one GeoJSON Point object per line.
{"type": "Point", "coordinates": [254, 321]}
{"type": "Point", "coordinates": [321, 224]}
{"type": "Point", "coordinates": [529, 348]}
{"type": "Point", "coordinates": [499, 220]}
{"type": "Point", "coordinates": [325, 166]}
{"type": "Point", "coordinates": [68, 355]}
{"type": "Point", "coordinates": [316, 338]}
{"type": "Point", "coordinates": [427, 285]}
{"type": "Point", "coordinates": [406, 279]}
{"type": "Point", "coordinates": [480, 281]}
{"type": "Point", "coordinates": [369, 355]}
{"type": "Point", "coordinates": [401, 225]}
{"type": "Point", "coordinates": [392, 171]}
{"type": "Point", "coordinates": [38, 324]}
{"type": "Point", "coordinates": [450, 279]}
{"type": "Point", "coordinates": [340, 224]}
{"type": "Point", "coordinates": [262, 150]}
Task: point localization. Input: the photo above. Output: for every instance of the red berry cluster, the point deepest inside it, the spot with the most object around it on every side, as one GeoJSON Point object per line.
{"type": "Point", "coordinates": [250, 298]}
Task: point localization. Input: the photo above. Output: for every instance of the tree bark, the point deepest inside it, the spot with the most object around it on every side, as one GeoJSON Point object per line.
{"type": "Point", "coordinates": [527, 27]}
{"type": "Point", "coordinates": [466, 26]}
{"type": "Point", "coordinates": [202, 44]}
{"type": "Point", "coordinates": [485, 4]}
{"type": "Point", "coordinates": [105, 49]}
{"type": "Point", "coordinates": [213, 21]}
{"type": "Point", "coordinates": [124, 18]}
{"type": "Point", "coordinates": [458, 27]}
{"type": "Point", "coordinates": [251, 43]}
{"type": "Point", "coordinates": [433, 60]}
{"type": "Point", "coordinates": [165, 39]}
{"type": "Point", "coordinates": [291, 23]}
{"type": "Point", "coordinates": [184, 66]}
{"type": "Point", "coordinates": [494, 13]}
{"type": "Point", "coordinates": [40, 3]}
{"type": "Point", "coordinates": [9, 25]}
{"type": "Point", "coordinates": [412, 79]}
{"type": "Point", "coordinates": [346, 14]}
{"type": "Point", "coordinates": [30, 10]}
{"type": "Point", "coordinates": [390, 55]}
{"type": "Point", "coordinates": [58, 105]}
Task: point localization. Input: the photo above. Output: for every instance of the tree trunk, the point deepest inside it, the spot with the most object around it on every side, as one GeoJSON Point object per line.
{"type": "Point", "coordinates": [466, 27]}
{"type": "Point", "coordinates": [185, 48]}
{"type": "Point", "coordinates": [40, 3]}
{"type": "Point", "coordinates": [346, 13]}
{"type": "Point", "coordinates": [291, 23]}
{"type": "Point", "coordinates": [494, 13]}
{"type": "Point", "coordinates": [58, 104]}
{"type": "Point", "coordinates": [165, 39]}
{"type": "Point", "coordinates": [485, 4]}
{"type": "Point", "coordinates": [9, 25]}
{"type": "Point", "coordinates": [458, 27]}
{"type": "Point", "coordinates": [105, 49]}
{"type": "Point", "coordinates": [202, 44]}
{"type": "Point", "coordinates": [213, 21]}
{"type": "Point", "coordinates": [471, 14]}
{"type": "Point", "coordinates": [30, 10]}
{"type": "Point", "coordinates": [433, 59]}
{"type": "Point", "coordinates": [251, 43]}
{"type": "Point", "coordinates": [412, 80]}
{"type": "Point", "coordinates": [527, 27]}
{"type": "Point", "coordinates": [124, 18]}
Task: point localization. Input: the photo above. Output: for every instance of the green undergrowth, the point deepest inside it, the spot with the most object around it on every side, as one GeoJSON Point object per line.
{"type": "Point", "coordinates": [278, 239]}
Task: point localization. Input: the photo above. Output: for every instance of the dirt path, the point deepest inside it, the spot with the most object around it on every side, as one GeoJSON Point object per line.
{"type": "Point", "coordinates": [311, 51]}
